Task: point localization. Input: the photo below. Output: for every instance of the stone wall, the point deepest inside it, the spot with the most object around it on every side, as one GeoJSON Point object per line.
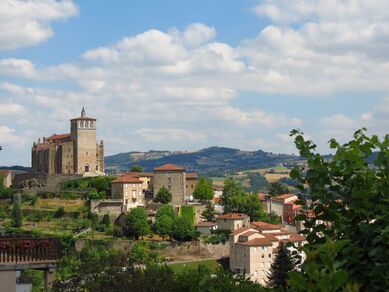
{"type": "Point", "coordinates": [40, 181]}
{"type": "Point", "coordinates": [173, 180]}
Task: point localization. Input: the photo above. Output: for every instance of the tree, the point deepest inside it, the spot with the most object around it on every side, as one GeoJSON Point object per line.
{"type": "Point", "coordinates": [60, 212]}
{"type": "Point", "coordinates": [257, 182]}
{"type": "Point", "coordinates": [279, 269]}
{"type": "Point", "coordinates": [163, 196]}
{"type": "Point", "coordinates": [209, 212]}
{"type": "Point", "coordinates": [106, 220]}
{"type": "Point", "coordinates": [183, 229]}
{"type": "Point", "coordinates": [203, 190]}
{"type": "Point", "coordinates": [164, 220]}
{"type": "Point", "coordinates": [137, 223]}
{"type": "Point", "coordinates": [136, 168]}
{"type": "Point", "coordinates": [351, 197]}
{"type": "Point", "coordinates": [277, 188]}
{"type": "Point", "coordinates": [235, 200]}
{"type": "Point", "coordinates": [16, 215]}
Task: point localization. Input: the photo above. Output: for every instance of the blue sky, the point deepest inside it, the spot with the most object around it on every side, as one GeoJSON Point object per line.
{"type": "Point", "coordinates": [183, 75]}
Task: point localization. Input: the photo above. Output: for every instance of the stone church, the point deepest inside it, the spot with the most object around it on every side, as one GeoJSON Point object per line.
{"type": "Point", "coordinates": [73, 153]}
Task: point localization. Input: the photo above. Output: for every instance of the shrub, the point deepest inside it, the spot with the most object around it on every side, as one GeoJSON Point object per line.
{"type": "Point", "coordinates": [59, 213]}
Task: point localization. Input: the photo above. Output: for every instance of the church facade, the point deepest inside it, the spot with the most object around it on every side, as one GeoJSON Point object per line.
{"type": "Point", "coordinates": [72, 153]}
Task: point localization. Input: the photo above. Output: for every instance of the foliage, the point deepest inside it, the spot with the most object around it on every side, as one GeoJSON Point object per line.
{"type": "Point", "coordinates": [146, 252]}
{"type": "Point", "coordinates": [60, 212]}
{"type": "Point", "coordinates": [95, 270]}
{"type": "Point", "coordinates": [277, 188]}
{"type": "Point", "coordinates": [288, 181]}
{"type": "Point", "coordinates": [203, 190]}
{"type": "Point", "coordinates": [209, 213]}
{"type": "Point", "coordinates": [235, 200]}
{"type": "Point", "coordinates": [279, 269]}
{"type": "Point", "coordinates": [106, 220]}
{"type": "Point", "coordinates": [101, 184]}
{"type": "Point", "coordinates": [163, 196]}
{"type": "Point", "coordinates": [258, 182]}
{"type": "Point", "coordinates": [5, 193]}
{"type": "Point", "coordinates": [351, 199]}
{"type": "Point", "coordinates": [16, 215]}
{"type": "Point", "coordinates": [137, 223]}
{"type": "Point", "coordinates": [218, 236]}
{"type": "Point", "coordinates": [36, 278]}
{"type": "Point", "coordinates": [183, 229]}
{"type": "Point", "coordinates": [136, 168]}
{"type": "Point", "coordinates": [94, 195]}
{"type": "Point", "coordinates": [164, 220]}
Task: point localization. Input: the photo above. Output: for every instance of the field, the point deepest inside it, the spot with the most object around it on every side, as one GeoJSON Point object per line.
{"type": "Point", "coordinates": [211, 264]}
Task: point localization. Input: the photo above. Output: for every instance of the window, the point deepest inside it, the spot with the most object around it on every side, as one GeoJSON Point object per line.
{"type": "Point", "coordinates": [169, 188]}
{"type": "Point", "coordinates": [134, 194]}
{"type": "Point", "coordinates": [126, 186]}
{"type": "Point", "coordinates": [263, 256]}
{"type": "Point", "coordinates": [262, 265]}
{"type": "Point", "coordinates": [256, 273]}
{"type": "Point", "coordinates": [269, 255]}
{"type": "Point", "coordinates": [169, 180]}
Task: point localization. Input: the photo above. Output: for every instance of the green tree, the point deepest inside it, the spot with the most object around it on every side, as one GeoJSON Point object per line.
{"type": "Point", "coordinates": [276, 188]}
{"type": "Point", "coordinates": [136, 168]}
{"type": "Point", "coordinates": [209, 212]}
{"type": "Point", "coordinates": [163, 196]}
{"type": "Point", "coordinates": [59, 212]}
{"type": "Point", "coordinates": [279, 269]}
{"type": "Point", "coordinates": [203, 190]}
{"type": "Point", "coordinates": [16, 215]}
{"type": "Point", "coordinates": [106, 220]}
{"type": "Point", "coordinates": [183, 229]}
{"type": "Point", "coordinates": [258, 182]}
{"type": "Point", "coordinates": [351, 198]}
{"type": "Point", "coordinates": [137, 223]}
{"type": "Point", "coordinates": [164, 220]}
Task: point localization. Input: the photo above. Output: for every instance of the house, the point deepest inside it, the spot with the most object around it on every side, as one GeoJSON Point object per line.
{"type": "Point", "coordinates": [206, 227]}
{"type": "Point", "coordinates": [276, 204]}
{"type": "Point", "coordinates": [191, 179]}
{"type": "Point", "coordinates": [7, 174]}
{"type": "Point", "coordinates": [145, 177]}
{"type": "Point", "coordinates": [130, 190]}
{"type": "Point", "coordinates": [112, 206]}
{"type": "Point", "coordinates": [217, 191]}
{"type": "Point", "coordinates": [253, 249]}
{"type": "Point", "coordinates": [232, 221]}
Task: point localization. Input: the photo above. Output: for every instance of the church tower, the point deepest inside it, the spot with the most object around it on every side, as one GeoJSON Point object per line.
{"type": "Point", "coordinates": [83, 133]}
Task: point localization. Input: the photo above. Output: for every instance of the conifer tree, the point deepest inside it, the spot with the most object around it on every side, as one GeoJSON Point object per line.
{"type": "Point", "coordinates": [279, 269]}
{"type": "Point", "coordinates": [16, 215]}
{"type": "Point", "coordinates": [209, 212]}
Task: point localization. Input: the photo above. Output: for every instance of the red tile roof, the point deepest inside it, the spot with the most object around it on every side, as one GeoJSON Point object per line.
{"type": "Point", "coordinates": [127, 179]}
{"type": "Point", "coordinates": [271, 236]}
{"type": "Point", "coordinates": [232, 216]}
{"type": "Point", "coordinates": [240, 230]}
{"type": "Point", "coordinates": [259, 225]}
{"type": "Point", "coordinates": [283, 197]}
{"type": "Point", "coordinates": [192, 175]}
{"type": "Point", "coordinates": [262, 196]}
{"type": "Point", "coordinates": [138, 174]}
{"type": "Point", "coordinates": [295, 237]}
{"type": "Point", "coordinates": [256, 242]}
{"type": "Point", "coordinates": [205, 224]}
{"type": "Point", "coordinates": [59, 137]}
{"type": "Point", "coordinates": [248, 233]}
{"type": "Point", "coordinates": [169, 167]}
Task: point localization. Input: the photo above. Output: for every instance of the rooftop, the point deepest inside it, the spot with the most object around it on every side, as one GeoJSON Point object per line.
{"type": "Point", "coordinates": [259, 225]}
{"type": "Point", "coordinates": [283, 197]}
{"type": "Point", "coordinates": [169, 167]}
{"type": "Point", "coordinates": [59, 137]}
{"type": "Point", "coordinates": [205, 224]}
{"type": "Point", "coordinates": [232, 216]}
{"type": "Point", "coordinates": [138, 174]}
{"type": "Point", "coordinates": [192, 175]}
{"type": "Point", "coordinates": [127, 179]}
{"type": "Point", "coordinates": [256, 242]}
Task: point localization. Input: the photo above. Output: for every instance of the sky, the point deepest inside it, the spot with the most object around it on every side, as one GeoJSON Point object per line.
{"type": "Point", "coordinates": [185, 75]}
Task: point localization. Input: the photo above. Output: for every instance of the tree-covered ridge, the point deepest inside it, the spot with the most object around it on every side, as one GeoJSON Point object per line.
{"type": "Point", "coordinates": [208, 161]}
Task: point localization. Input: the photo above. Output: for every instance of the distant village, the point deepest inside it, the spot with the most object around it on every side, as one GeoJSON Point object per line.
{"type": "Point", "coordinates": [251, 246]}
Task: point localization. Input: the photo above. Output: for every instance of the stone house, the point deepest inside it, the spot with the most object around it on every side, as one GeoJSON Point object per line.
{"type": "Point", "coordinates": [191, 179]}
{"type": "Point", "coordinates": [253, 249]}
{"type": "Point", "coordinates": [232, 221]}
{"type": "Point", "coordinates": [276, 204]}
{"type": "Point", "coordinates": [129, 190]}
{"type": "Point", "coordinates": [206, 227]}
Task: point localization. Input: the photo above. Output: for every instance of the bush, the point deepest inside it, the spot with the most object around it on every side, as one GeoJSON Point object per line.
{"type": "Point", "coordinates": [183, 229]}
{"type": "Point", "coordinates": [59, 213]}
{"type": "Point", "coordinates": [188, 212]}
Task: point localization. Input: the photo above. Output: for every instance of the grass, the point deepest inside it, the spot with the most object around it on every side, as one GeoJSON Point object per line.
{"type": "Point", "coordinates": [272, 177]}
{"type": "Point", "coordinates": [211, 264]}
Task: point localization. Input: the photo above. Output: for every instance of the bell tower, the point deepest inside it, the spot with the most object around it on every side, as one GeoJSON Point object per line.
{"type": "Point", "coordinates": [83, 133]}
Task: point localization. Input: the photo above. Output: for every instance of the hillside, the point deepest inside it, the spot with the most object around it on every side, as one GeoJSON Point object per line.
{"type": "Point", "coordinates": [211, 161]}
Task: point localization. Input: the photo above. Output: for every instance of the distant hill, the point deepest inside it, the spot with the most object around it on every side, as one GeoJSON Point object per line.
{"type": "Point", "coordinates": [213, 161]}
{"type": "Point", "coordinates": [16, 168]}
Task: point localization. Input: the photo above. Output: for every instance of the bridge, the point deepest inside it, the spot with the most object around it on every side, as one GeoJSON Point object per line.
{"type": "Point", "coordinates": [19, 253]}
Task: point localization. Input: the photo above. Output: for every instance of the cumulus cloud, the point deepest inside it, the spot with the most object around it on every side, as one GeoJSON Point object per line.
{"type": "Point", "coordinates": [26, 23]}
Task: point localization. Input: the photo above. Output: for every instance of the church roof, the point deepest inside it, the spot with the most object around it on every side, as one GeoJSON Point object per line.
{"type": "Point", "coordinates": [59, 136]}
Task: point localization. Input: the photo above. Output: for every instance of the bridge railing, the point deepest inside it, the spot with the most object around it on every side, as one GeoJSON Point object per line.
{"type": "Point", "coordinates": [29, 250]}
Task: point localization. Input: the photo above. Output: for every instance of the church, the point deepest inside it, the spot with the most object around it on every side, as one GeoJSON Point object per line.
{"type": "Point", "coordinates": [76, 152]}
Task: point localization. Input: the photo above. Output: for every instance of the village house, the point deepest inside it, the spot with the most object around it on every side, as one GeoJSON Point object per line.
{"type": "Point", "coordinates": [278, 204]}
{"type": "Point", "coordinates": [130, 190]}
{"type": "Point", "coordinates": [7, 174]}
{"type": "Point", "coordinates": [232, 221]}
{"type": "Point", "coordinates": [253, 249]}
{"type": "Point", "coordinates": [206, 227]}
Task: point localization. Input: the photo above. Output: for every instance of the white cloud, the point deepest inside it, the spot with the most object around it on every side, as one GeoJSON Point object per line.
{"type": "Point", "coordinates": [10, 108]}
{"type": "Point", "coordinates": [26, 23]}
{"type": "Point", "coordinates": [169, 135]}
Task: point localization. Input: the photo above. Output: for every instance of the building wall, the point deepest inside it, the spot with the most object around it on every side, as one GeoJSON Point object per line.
{"type": "Point", "coordinates": [231, 224]}
{"type": "Point", "coordinates": [190, 186]}
{"type": "Point", "coordinates": [85, 145]}
{"type": "Point", "coordinates": [67, 158]}
{"type": "Point", "coordinates": [173, 180]}
{"type": "Point", "coordinates": [277, 208]}
{"type": "Point", "coordinates": [131, 194]}
{"type": "Point", "coordinates": [100, 157]}
{"type": "Point", "coordinates": [117, 191]}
